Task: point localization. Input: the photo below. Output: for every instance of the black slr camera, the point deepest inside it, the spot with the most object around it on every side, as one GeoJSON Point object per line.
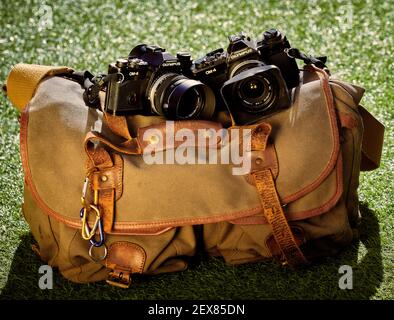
{"type": "Point", "coordinates": [254, 78]}
{"type": "Point", "coordinates": [150, 81]}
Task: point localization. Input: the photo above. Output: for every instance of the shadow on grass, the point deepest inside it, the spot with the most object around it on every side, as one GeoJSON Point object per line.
{"type": "Point", "coordinates": [210, 278]}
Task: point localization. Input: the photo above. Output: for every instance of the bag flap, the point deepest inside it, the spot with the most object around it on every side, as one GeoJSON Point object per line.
{"type": "Point", "coordinates": [156, 197]}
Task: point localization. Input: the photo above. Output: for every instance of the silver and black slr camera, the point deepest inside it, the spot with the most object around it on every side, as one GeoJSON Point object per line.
{"type": "Point", "coordinates": [150, 81]}
{"type": "Point", "coordinates": [254, 78]}
{"type": "Point", "coordinates": [250, 79]}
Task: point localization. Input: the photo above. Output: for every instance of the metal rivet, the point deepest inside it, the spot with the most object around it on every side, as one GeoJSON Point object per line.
{"type": "Point", "coordinates": [259, 161]}
{"type": "Point", "coordinates": [154, 139]}
{"type": "Point", "coordinates": [104, 178]}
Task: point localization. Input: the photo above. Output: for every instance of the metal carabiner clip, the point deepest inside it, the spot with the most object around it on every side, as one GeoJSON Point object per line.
{"type": "Point", "coordinates": [100, 242]}
{"type": "Point", "coordinates": [92, 240]}
{"type": "Point", "coordinates": [88, 233]}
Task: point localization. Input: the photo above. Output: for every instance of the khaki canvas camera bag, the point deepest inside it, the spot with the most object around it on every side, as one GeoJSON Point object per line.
{"type": "Point", "coordinates": [298, 202]}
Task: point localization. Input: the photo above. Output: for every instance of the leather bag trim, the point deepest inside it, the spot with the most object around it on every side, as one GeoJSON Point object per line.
{"type": "Point", "coordinates": [335, 136]}
{"type": "Point", "coordinates": [129, 228]}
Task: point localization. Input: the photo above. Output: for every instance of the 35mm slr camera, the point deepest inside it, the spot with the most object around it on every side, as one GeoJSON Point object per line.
{"type": "Point", "coordinates": [250, 79]}
{"type": "Point", "coordinates": [150, 81]}
{"type": "Point", "coordinates": [254, 78]}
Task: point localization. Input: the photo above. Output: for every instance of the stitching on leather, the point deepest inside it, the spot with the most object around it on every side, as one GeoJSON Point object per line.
{"type": "Point", "coordinates": [128, 244]}
{"type": "Point", "coordinates": [119, 168]}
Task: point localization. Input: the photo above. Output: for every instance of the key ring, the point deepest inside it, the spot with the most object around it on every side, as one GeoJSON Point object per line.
{"type": "Point", "coordinates": [99, 258]}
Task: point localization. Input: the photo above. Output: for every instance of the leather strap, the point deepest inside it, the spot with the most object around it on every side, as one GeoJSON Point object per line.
{"type": "Point", "coordinates": [276, 218]}
{"type": "Point", "coordinates": [100, 159]}
{"type": "Point", "coordinates": [132, 146]}
{"type": "Point", "coordinates": [264, 181]}
{"type": "Point", "coordinates": [372, 141]}
{"type": "Point", "coordinates": [23, 80]}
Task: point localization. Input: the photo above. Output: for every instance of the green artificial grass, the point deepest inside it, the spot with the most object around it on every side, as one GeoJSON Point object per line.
{"type": "Point", "coordinates": [355, 35]}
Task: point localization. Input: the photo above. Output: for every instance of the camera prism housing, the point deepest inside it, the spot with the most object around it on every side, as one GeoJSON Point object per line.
{"type": "Point", "coordinates": [273, 50]}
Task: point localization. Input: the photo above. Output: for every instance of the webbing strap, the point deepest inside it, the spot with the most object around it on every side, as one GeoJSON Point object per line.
{"type": "Point", "coordinates": [23, 80]}
{"type": "Point", "coordinates": [276, 218]}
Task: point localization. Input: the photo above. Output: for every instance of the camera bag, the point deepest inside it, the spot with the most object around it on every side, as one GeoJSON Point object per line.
{"type": "Point", "coordinates": [298, 202]}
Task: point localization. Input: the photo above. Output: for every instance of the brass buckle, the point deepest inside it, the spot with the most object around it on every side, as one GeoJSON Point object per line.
{"type": "Point", "coordinates": [119, 279]}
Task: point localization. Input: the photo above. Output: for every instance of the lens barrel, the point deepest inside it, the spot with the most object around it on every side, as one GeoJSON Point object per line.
{"type": "Point", "coordinates": [178, 97]}
{"type": "Point", "coordinates": [259, 91]}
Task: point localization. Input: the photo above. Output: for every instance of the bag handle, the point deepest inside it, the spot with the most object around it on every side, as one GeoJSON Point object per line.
{"type": "Point", "coordinates": [23, 80]}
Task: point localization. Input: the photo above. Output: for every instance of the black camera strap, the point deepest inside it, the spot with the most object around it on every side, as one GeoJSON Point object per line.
{"type": "Point", "coordinates": [91, 84]}
{"type": "Point", "coordinates": [295, 53]}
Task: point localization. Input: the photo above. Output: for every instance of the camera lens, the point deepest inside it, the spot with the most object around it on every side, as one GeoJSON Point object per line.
{"type": "Point", "coordinates": [190, 103]}
{"type": "Point", "coordinates": [254, 93]}
{"type": "Point", "coordinates": [252, 89]}
{"type": "Point", "coordinates": [178, 97]}
{"type": "Point", "coordinates": [257, 93]}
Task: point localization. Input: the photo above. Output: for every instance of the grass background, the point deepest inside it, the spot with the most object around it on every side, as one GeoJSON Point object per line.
{"type": "Point", "coordinates": [355, 35]}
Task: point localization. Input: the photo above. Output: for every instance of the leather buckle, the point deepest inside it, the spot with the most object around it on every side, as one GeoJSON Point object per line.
{"type": "Point", "coordinates": [119, 279]}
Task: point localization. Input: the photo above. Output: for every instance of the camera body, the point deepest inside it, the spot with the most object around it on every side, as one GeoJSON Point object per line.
{"type": "Point", "coordinates": [273, 50]}
{"type": "Point", "coordinates": [253, 78]}
{"type": "Point", "coordinates": [150, 81]}
{"type": "Point", "coordinates": [217, 66]}
{"type": "Point", "coordinates": [250, 79]}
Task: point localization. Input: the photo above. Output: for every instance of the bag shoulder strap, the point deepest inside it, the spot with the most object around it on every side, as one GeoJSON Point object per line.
{"type": "Point", "coordinates": [23, 80]}
{"type": "Point", "coordinates": [372, 141]}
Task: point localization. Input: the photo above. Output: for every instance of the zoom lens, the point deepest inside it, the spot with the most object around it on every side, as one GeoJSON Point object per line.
{"type": "Point", "coordinates": [178, 97]}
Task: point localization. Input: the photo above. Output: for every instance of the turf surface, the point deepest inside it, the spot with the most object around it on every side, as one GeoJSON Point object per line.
{"type": "Point", "coordinates": [355, 35]}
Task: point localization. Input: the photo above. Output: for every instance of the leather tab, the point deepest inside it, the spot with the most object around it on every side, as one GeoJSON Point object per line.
{"type": "Point", "coordinates": [131, 147]}
{"type": "Point", "coordinates": [23, 80]}
{"type": "Point", "coordinates": [124, 258]}
{"type": "Point", "coordinates": [110, 178]}
{"type": "Point", "coordinates": [262, 160]}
